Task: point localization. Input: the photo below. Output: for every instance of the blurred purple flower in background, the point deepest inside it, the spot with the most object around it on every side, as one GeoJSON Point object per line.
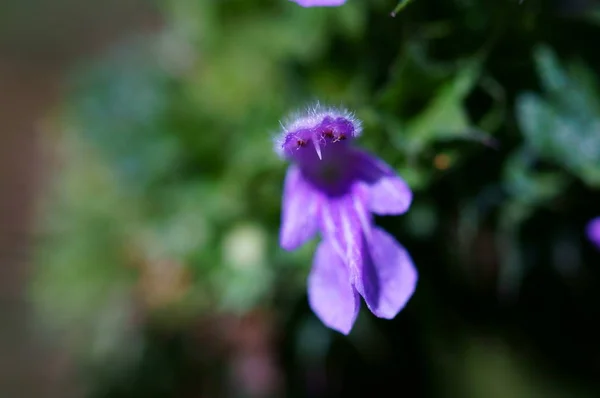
{"type": "Point", "coordinates": [319, 3]}
{"type": "Point", "coordinates": [593, 231]}
{"type": "Point", "coordinates": [333, 188]}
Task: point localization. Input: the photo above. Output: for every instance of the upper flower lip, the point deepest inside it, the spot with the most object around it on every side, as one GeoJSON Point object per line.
{"type": "Point", "coordinates": [316, 128]}
{"type": "Point", "coordinates": [328, 131]}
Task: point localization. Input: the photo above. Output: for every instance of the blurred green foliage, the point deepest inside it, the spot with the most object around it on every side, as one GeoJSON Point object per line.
{"type": "Point", "coordinates": [563, 126]}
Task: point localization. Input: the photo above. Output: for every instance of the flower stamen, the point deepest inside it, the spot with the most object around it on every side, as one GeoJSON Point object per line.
{"type": "Point", "coordinates": [317, 148]}
{"type": "Point", "coordinates": [341, 137]}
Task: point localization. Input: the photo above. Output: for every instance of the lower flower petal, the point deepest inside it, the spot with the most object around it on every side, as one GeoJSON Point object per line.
{"type": "Point", "coordinates": [330, 294]}
{"type": "Point", "coordinates": [343, 222]}
{"type": "Point", "coordinates": [389, 276]}
{"type": "Point", "coordinates": [300, 207]}
{"type": "Point", "coordinates": [388, 193]}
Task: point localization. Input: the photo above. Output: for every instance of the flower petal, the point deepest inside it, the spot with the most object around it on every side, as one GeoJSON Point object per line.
{"type": "Point", "coordinates": [343, 221]}
{"type": "Point", "coordinates": [389, 277]}
{"type": "Point", "coordinates": [330, 294]}
{"type": "Point", "coordinates": [593, 231]}
{"type": "Point", "coordinates": [300, 208]}
{"type": "Point", "coordinates": [388, 193]}
{"type": "Point", "coordinates": [319, 3]}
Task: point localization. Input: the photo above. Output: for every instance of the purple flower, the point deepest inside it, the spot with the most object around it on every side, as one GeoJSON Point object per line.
{"type": "Point", "coordinates": [333, 188]}
{"type": "Point", "coordinates": [319, 3]}
{"type": "Point", "coordinates": [593, 231]}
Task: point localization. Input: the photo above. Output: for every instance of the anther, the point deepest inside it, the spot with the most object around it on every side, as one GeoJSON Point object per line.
{"type": "Point", "coordinates": [328, 134]}
{"type": "Point", "coordinates": [317, 146]}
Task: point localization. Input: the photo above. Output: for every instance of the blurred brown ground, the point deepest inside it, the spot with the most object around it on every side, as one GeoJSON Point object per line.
{"type": "Point", "coordinates": [40, 40]}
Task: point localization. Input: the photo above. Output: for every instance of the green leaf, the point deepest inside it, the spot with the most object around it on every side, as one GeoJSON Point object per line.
{"type": "Point", "coordinates": [563, 126]}
{"type": "Point", "coordinates": [445, 115]}
{"type": "Point", "coordinates": [536, 120]}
